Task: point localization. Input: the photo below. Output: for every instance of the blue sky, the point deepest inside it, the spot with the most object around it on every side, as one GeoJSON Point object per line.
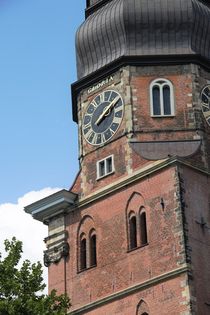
{"type": "Point", "coordinates": [38, 139]}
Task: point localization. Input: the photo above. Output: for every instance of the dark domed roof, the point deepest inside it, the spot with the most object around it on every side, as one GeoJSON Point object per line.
{"type": "Point", "coordinates": [131, 28]}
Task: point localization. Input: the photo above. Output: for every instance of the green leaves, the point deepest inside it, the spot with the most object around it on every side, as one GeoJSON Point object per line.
{"type": "Point", "coordinates": [20, 286]}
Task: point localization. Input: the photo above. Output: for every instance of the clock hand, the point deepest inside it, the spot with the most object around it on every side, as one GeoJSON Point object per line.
{"type": "Point", "coordinates": [106, 110]}
{"type": "Point", "coordinates": [206, 114]}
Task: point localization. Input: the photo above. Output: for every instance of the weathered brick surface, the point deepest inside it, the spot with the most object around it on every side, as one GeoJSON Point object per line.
{"type": "Point", "coordinates": [133, 84]}
{"type": "Point", "coordinates": [197, 225]}
{"type": "Point", "coordinates": [185, 192]}
{"type": "Point", "coordinates": [56, 277]}
{"type": "Point", "coordinates": [175, 199]}
{"type": "Point", "coordinates": [161, 299]}
{"type": "Point", "coordinates": [117, 267]}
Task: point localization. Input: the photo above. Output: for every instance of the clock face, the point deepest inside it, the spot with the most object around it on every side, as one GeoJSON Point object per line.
{"type": "Point", "coordinates": [103, 117]}
{"type": "Point", "coordinates": [205, 102]}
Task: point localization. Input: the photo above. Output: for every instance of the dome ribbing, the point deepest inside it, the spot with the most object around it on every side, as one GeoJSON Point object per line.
{"type": "Point", "coordinates": [142, 28]}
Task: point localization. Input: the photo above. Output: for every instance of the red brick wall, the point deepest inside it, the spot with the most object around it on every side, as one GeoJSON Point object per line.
{"type": "Point", "coordinates": [182, 84]}
{"type": "Point", "coordinates": [161, 299]}
{"type": "Point", "coordinates": [117, 268]}
{"type": "Point", "coordinates": [134, 86]}
{"type": "Point", "coordinates": [56, 277]}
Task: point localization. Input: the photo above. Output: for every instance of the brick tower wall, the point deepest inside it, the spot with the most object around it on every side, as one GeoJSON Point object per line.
{"type": "Point", "coordinates": [156, 272]}
{"type": "Point", "coordinates": [133, 83]}
{"type": "Point", "coordinates": [196, 197]}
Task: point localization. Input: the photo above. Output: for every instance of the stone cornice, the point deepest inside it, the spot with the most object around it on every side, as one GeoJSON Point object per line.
{"type": "Point", "coordinates": [51, 206]}
{"type": "Point", "coordinates": [131, 290]}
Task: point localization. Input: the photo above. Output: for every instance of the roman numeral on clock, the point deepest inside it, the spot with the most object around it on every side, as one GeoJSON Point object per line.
{"type": "Point", "coordinates": [103, 117]}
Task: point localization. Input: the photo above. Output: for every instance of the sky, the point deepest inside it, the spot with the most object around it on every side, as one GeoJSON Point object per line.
{"type": "Point", "coordinates": [38, 139]}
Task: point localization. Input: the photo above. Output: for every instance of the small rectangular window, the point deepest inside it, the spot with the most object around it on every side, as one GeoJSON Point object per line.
{"type": "Point", "coordinates": [105, 167]}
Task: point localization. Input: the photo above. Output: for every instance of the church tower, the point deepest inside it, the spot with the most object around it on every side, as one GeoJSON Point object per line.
{"type": "Point", "coordinates": [132, 235]}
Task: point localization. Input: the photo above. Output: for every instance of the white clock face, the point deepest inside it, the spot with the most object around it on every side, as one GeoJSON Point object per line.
{"type": "Point", "coordinates": [205, 102]}
{"type": "Point", "coordinates": [102, 117]}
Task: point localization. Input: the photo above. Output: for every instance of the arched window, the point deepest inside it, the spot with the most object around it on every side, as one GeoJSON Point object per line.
{"type": "Point", "coordinates": [142, 308]}
{"type": "Point", "coordinates": [143, 227]}
{"type": "Point", "coordinates": [132, 232]}
{"type": "Point", "coordinates": [93, 255]}
{"type": "Point", "coordinates": [162, 98]}
{"type": "Point", "coordinates": [83, 252]}
{"type": "Point", "coordinates": [86, 244]}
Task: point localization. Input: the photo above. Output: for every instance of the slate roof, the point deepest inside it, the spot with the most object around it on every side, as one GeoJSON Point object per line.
{"type": "Point", "coordinates": [126, 28]}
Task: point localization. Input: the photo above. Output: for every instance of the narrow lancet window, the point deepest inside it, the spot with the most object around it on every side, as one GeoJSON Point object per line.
{"type": "Point", "coordinates": [156, 100]}
{"type": "Point", "coordinates": [133, 231]}
{"type": "Point", "coordinates": [93, 256]}
{"type": "Point", "coordinates": [143, 228]}
{"type": "Point", "coordinates": [83, 254]}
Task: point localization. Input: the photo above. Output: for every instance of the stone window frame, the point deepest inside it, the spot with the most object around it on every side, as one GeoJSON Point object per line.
{"type": "Point", "coordinates": [161, 83]}
{"type": "Point", "coordinates": [105, 163]}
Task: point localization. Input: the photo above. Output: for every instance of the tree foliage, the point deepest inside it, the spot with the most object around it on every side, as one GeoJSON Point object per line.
{"type": "Point", "coordinates": [21, 286]}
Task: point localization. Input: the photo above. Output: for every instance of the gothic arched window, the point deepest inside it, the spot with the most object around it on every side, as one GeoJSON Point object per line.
{"type": "Point", "coordinates": [161, 98]}
{"type": "Point", "coordinates": [143, 227]}
{"type": "Point", "coordinates": [132, 231]}
{"type": "Point", "coordinates": [93, 255]}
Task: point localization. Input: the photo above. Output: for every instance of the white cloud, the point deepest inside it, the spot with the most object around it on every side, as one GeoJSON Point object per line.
{"type": "Point", "coordinates": [15, 222]}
